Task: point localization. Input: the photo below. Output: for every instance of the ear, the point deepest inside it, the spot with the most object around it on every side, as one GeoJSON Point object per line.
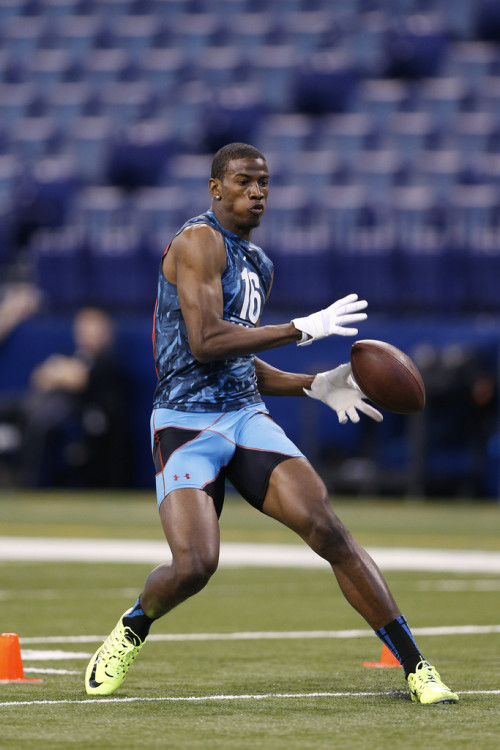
{"type": "Point", "coordinates": [215, 188]}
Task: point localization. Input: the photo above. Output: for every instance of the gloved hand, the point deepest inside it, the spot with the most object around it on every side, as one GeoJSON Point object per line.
{"type": "Point", "coordinates": [331, 320]}
{"type": "Point", "coordinates": [338, 389]}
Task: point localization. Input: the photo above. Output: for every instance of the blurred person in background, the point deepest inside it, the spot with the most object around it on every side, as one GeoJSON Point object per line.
{"type": "Point", "coordinates": [18, 302]}
{"type": "Point", "coordinates": [74, 417]}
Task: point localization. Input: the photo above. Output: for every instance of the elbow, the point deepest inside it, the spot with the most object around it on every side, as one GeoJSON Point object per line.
{"type": "Point", "coordinates": [201, 351]}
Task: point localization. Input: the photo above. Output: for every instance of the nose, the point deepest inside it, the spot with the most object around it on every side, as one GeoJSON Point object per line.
{"type": "Point", "coordinates": [256, 191]}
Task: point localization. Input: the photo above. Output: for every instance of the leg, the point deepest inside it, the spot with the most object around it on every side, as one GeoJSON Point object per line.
{"type": "Point", "coordinates": [298, 498]}
{"type": "Point", "coordinates": [191, 527]}
{"type": "Point", "coordinates": [192, 530]}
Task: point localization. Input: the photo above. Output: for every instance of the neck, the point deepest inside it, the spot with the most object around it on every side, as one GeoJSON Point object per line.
{"type": "Point", "coordinates": [227, 221]}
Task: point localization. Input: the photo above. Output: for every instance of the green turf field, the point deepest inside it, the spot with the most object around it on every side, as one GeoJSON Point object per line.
{"type": "Point", "coordinates": [247, 663]}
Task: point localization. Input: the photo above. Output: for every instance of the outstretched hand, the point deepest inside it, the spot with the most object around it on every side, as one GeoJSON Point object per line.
{"type": "Point", "coordinates": [332, 320]}
{"type": "Point", "coordinates": [338, 389]}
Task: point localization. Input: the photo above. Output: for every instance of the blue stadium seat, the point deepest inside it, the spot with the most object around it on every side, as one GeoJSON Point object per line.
{"type": "Point", "coordinates": [31, 137]}
{"type": "Point", "coordinates": [439, 170]}
{"type": "Point", "coordinates": [189, 174]}
{"type": "Point", "coordinates": [416, 47]}
{"type": "Point", "coordinates": [23, 36]}
{"type": "Point", "coordinates": [289, 134]}
{"type": "Point", "coordinates": [442, 98]}
{"type": "Point", "coordinates": [309, 31]}
{"type": "Point", "coordinates": [135, 33]}
{"type": "Point", "coordinates": [105, 66]}
{"type": "Point", "coordinates": [10, 169]}
{"type": "Point", "coordinates": [248, 31]}
{"type": "Point", "coordinates": [161, 211]}
{"type": "Point", "coordinates": [368, 41]}
{"type": "Point", "coordinates": [78, 33]}
{"type": "Point", "coordinates": [472, 132]}
{"type": "Point", "coordinates": [9, 9]}
{"type": "Point", "coordinates": [409, 132]}
{"type": "Point", "coordinates": [128, 102]}
{"type": "Point", "coordinates": [342, 211]}
{"type": "Point", "coordinates": [68, 101]}
{"type": "Point", "coordinates": [57, 9]}
{"type": "Point", "coordinates": [61, 268]}
{"type": "Point", "coordinates": [346, 134]}
{"type": "Point", "coordinates": [489, 91]}
{"type": "Point", "coordinates": [274, 72]}
{"type": "Point", "coordinates": [140, 155]}
{"type": "Point", "coordinates": [115, 9]}
{"type": "Point", "coordinates": [470, 61]}
{"type": "Point", "coordinates": [222, 67]}
{"type": "Point", "coordinates": [316, 170]}
{"type": "Point", "coordinates": [100, 209]}
{"type": "Point", "coordinates": [14, 102]}
{"type": "Point", "coordinates": [89, 142]}
{"type": "Point", "coordinates": [473, 211]}
{"type": "Point", "coordinates": [326, 84]}
{"type": "Point", "coordinates": [123, 276]}
{"type": "Point", "coordinates": [46, 68]}
{"type": "Point", "coordinates": [380, 98]}
{"type": "Point", "coordinates": [164, 68]}
{"type": "Point", "coordinates": [377, 170]}
{"type": "Point", "coordinates": [482, 271]}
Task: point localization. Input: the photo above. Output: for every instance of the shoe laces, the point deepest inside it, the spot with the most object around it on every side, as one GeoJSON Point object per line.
{"type": "Point", "coordinates": [119, 653]}
{"type": "Point", "coordinates": [426, 673]}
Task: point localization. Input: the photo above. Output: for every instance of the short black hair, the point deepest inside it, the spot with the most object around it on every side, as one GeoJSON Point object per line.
{"type": "Point", "coordinates": [229, 152]}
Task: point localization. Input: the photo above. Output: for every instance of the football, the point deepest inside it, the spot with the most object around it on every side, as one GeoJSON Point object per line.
{"type": "Point", "coordinates": [387, 376]}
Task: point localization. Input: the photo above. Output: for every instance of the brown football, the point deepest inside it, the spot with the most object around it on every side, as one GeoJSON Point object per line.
{"type": "Point", "coordinates": [387, 376]}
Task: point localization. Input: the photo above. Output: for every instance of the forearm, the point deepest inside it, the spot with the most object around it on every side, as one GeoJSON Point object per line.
{"type": "Point", "coordinates": [226, 339]}
{"type": "Point", "coordinates": [274, 382]}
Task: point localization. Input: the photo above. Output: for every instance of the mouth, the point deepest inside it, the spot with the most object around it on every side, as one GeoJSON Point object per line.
{"type": "Point", "coordinates": [257, 209]}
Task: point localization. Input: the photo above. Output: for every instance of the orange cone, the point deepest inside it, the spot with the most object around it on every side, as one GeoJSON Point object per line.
{"type": "Point", "coordinates": [387, 659]}
{"type": "Point", "coordinates": [11, 664]}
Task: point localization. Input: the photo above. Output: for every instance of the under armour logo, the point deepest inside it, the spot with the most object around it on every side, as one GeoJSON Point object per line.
{"type": "Point", "coordinates": [176, 477]}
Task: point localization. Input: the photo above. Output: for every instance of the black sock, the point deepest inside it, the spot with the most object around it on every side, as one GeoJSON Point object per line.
{"type": "Point", "coordinates": [138, 621]}
{"type": "Point", "coordinates": [398, 639]}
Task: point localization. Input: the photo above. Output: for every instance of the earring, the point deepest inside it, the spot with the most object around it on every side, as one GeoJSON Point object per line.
{"type": "Point", "coordinates": [218, 197]}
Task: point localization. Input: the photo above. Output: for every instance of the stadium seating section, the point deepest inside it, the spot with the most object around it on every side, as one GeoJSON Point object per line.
{"type": "Point", "coordinates": [380, 121]}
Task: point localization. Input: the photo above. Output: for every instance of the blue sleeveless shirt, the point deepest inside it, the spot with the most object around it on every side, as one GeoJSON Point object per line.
{"type": "Point", "coordinates": [221, 384]}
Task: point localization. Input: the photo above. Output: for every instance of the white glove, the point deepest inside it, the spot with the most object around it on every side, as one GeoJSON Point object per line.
{"type": "Point", "coordinates": [331, 320]}
{"type": "Point", "coordinates": [338, 389]}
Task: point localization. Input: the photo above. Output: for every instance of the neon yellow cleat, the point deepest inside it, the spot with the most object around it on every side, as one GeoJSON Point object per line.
{"type": "Point", "coordinates": [109, 665]}
{"type": "Point", "coordinates": [427, 687]}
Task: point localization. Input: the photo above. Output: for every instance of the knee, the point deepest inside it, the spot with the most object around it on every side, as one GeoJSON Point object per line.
{"type": "Point", "coordinates": [192, 574]}
{"type": "Point", "coordinates": [330, 539]}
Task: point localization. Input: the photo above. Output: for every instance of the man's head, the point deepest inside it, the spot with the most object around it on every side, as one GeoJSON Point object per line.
{"type": "Point", "coordinates": [232, 151]}
{"type": "Point", "coordinates": [93, 330]}
{"type": "Point", "coordinates": [239, 185]}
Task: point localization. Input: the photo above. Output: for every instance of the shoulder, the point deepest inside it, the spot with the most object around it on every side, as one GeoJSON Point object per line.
{"type": "Point", "coordinates": [199, 245]}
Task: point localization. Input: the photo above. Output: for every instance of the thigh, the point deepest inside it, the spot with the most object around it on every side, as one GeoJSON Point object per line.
{"type": "Point", "coordinates": [297, 497]}
{"type": "Point", "coordinates": [189, 452]}
{"type": "Point", "coordinates": [261, 446]}
{"type": "Point", "coordinates": [190, 525]}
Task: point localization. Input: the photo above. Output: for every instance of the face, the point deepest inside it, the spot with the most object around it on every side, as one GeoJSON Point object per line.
{"type": "Point", "coordinates": [243, 195]}
{"type": "Point", "coordinates": [93, 331]}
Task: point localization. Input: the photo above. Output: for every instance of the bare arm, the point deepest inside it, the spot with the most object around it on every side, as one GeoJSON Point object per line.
{"type": "Point", "coordinates": [274, 382]}
{"type": "Point", "coordinates": [196, 262]}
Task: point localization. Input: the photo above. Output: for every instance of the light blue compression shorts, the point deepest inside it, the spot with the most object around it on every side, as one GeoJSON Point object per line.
{"type": "Point", "coordinates": [202, 450]}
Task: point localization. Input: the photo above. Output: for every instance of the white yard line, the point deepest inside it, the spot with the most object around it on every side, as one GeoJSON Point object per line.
{"type": "Point", "coordinates": [239, 555]}
{"type": "Point", "coordinates": [244, 697]}
{"type": "Point", "coordinates": [252, 636]}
